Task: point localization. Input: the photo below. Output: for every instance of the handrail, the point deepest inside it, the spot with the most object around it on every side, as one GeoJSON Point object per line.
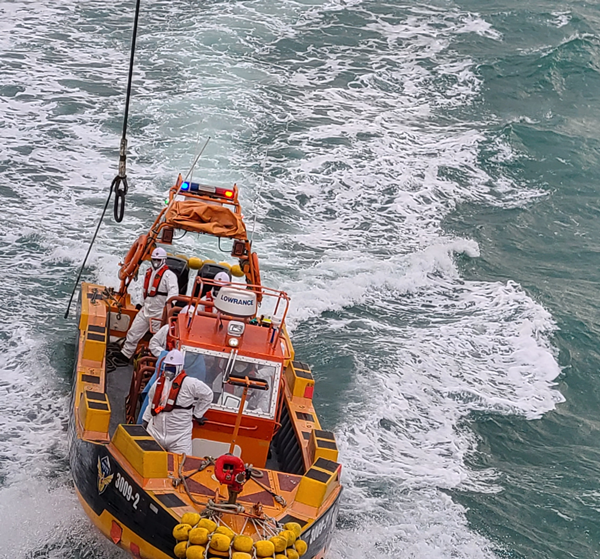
{"type": "Point", "coordinates": [144, 371]}
{"type": "Point", "coordinates": [260, 290]}
{"type": "Point", "coordinates": [209, 421]}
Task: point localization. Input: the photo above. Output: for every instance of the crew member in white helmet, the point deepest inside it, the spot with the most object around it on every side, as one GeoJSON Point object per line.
{"type": "Point", "coordinates": [221, 278]}
{"type": "Point", "coordinates": [160, 284]}
{"type": "Point", "coordinates": [175, 401]}
{"type": "Point", "coordinates": [195, 365]}
{"type": "Point", "coordinates": [257, 399]}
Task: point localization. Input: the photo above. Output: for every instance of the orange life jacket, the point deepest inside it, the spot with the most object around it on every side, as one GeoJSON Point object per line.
{"type": "Point", "coordinates": [152, 290]}
{"type": "Point", "coordinates": [209, 298]}
{"type": "Point", "coordinates": [173, 393]}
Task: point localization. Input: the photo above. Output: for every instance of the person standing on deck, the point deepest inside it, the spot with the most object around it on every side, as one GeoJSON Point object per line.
{"type": "Point", "coordinates": [175, 400]}
{"type": "Point", "coordinates": [195, 367]}
{"type": "Point", "coordinates": [160, 284]}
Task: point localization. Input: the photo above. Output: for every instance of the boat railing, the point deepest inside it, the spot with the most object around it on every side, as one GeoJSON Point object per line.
{"type": "Point", "coordinates": [142, 373]}
{"type": "Point", "coordinates": [205, 307]}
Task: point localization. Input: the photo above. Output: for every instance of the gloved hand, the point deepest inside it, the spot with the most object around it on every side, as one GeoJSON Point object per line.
{"type": "Point", "coordinates": [138, 306]}
{"type": "Point", "coordinates": [200, 421]}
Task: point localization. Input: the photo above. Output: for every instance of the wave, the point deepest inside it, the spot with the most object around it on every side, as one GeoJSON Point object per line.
{"type": "Point", "coordinates": [355, 112]}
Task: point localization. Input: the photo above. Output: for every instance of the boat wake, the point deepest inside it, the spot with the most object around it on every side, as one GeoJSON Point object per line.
{"type": "Point", "coordinates": [363, 126]}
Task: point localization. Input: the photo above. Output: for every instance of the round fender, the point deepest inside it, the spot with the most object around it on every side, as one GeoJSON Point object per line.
{"type": "Point", "coordinates": [133, 257]}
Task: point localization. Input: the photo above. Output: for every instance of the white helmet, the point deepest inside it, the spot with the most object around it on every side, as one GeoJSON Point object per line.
{"type": "Point", "coordinates": [173, 364]}
{"type": "Point", "coordinates": [220, 279]}
{"type": "Point", "coordinates": [174, 357]}
{"type": "Point", "coordinates": [159, 253]}
{"type": "Point", "coordinates": [242, 367]}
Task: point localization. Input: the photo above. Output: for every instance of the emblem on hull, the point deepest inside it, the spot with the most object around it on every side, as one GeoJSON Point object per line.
{"type": "Point", "coordinates": [105, 475]}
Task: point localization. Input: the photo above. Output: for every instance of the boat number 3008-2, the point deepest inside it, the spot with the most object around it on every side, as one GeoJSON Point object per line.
{"type": "Point", "coordinates": [126, 490]}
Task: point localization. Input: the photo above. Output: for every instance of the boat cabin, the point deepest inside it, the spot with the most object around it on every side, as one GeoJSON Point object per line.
{"type": "Point", "coordinates": [223, 336]}
{"type": "Point", "coordinates": [220, 347]}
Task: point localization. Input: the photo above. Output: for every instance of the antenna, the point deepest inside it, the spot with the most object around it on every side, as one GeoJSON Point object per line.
{"type": "Point", "coordinates": [189, 173]}
{"type": "Point", "coordinates": [257, 196]}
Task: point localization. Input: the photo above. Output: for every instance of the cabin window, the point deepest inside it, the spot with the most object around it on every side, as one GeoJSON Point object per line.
{"type": "Point", "coordinates": [211, 367]}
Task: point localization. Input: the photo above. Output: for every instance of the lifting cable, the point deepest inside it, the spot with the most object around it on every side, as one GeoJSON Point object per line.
{"type": "Point", "coordinates": [119, 184]}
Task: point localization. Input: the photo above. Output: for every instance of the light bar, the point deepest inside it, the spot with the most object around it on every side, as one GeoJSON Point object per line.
{"type": "Point", "coordinates": [197, 188]}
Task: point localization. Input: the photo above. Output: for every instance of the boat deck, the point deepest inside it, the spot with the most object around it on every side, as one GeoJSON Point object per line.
{"type": "Point", "coordinates": [117, 389]}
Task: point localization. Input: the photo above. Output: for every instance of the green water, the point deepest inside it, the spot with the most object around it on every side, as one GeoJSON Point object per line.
{"type": "Point", "coordinates": [425, 182]}
{"type": "Point", "coordinates": [541, 84]}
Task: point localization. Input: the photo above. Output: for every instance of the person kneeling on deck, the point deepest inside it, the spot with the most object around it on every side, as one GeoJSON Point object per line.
{"type": "Point", "coordinates": [175, 400]}
{"type": "Point", "coordinates": [160, 284]}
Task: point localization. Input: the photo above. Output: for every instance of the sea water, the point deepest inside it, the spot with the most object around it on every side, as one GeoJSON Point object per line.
{"type": "Point", "coordinates": [422, 179]}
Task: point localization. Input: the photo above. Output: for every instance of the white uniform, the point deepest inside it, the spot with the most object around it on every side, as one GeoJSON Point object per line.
{"type": "Point", "coordinates": [152, 308]}
{"type": "Point", "coordinates": [173, 429]}
{"type": "Point", "coordinates": [158, 342]}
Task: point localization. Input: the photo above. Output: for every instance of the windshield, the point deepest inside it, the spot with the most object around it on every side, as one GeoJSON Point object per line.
{"type": "Point", "coordinates": [210, 366]}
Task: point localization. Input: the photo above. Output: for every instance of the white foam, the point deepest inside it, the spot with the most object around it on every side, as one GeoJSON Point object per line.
{"type": "Point", "coordinates": [43, 518]}
{"type": "Point", "coordinates": [561, 18]}
{"type": "Point", "coordinates": [420, 524]}
{"type": "Point", "coordinates": [360, 171]}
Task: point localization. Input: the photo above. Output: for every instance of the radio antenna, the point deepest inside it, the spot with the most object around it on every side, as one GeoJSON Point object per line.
{"type": "Point", "coordinates": [189, 173]}
{"type": "Point", "coordinates": [257, 196]}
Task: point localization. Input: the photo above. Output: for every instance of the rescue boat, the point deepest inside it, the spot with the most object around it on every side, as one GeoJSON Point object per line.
{"type": "Point", "coordinates": [264, 477]}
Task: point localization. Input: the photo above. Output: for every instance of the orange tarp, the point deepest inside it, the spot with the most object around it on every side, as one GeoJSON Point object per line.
{"type": "Point", "coordinates": [194, 215]}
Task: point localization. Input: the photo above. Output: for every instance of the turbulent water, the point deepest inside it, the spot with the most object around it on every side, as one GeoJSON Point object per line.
{"type": "Point", "coordinates": [424, 177]}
